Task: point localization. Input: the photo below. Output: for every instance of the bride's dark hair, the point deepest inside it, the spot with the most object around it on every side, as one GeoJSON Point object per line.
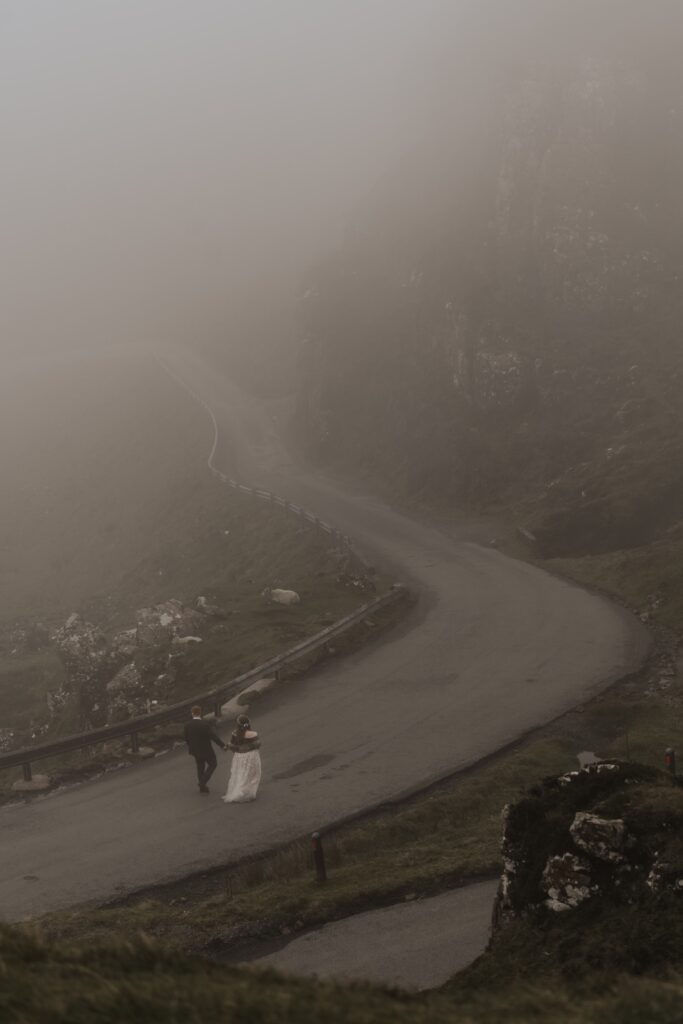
{"type": "Point", "coordinates": [241, 726]}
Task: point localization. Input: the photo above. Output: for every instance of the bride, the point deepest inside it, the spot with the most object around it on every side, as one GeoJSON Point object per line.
{"type": "Point", "coordinates": [245, 771]}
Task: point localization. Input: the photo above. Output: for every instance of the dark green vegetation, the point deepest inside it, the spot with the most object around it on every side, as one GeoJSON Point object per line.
{"type": "Point", "coordinates": [649, 803]}
{"type": "Point", "coordinates": [138, 983]}
{"type": "Point", "coordinates": [633, 921]}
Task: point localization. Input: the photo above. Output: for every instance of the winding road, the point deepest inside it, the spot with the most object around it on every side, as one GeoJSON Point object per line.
{"type": "Point", "coordinates": [494, 648]}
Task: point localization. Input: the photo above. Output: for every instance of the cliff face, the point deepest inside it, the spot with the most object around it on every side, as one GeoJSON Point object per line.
{"type": "Point", "coordinates": [502, 323]}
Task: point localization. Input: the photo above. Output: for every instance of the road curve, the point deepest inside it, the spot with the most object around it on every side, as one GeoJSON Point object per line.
{"type": "Point", "coordinates": [494, 648]}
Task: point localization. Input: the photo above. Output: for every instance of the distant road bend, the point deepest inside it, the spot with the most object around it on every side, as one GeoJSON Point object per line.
{"type": "Point", "coordinates": [495, 648]}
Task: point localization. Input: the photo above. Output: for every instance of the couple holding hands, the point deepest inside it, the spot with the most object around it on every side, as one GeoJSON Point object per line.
{"type": "Point", "coordinates": [245, 771]}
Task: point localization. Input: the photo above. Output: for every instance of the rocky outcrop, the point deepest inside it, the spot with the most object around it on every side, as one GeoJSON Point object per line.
{"type": "Point", "coordinates": [123, 646]}
{"type": "Point", "coordinates": [125, 693]}
{"type": "Point", "coordinates": [116, 679]}
{"type": "Point", "coordinates": [598, 837]}
{"type": "Point", "coordinates": [84, 651]}
{"type": "Point", "coordinates": [567, 881]}
{"type": "Point", "coordinates": [6, 739]}
{"type": "Point", "coordinates": [161, 623]}
{"type": "Point", "coordinates": [563, 845]}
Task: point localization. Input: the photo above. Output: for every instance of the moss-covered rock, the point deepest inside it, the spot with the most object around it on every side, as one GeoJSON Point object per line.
{"type": "Point", "coordinates": [609, 831]}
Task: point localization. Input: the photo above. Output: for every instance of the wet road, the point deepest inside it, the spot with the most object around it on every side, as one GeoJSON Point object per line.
{"type": "Point", "coordinates": [494, 648]}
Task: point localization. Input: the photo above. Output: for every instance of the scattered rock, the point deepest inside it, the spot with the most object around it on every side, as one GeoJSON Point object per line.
{"type": "Point", "coordinates": [37, 784]}
{"type": "Point", "coordinates": [567, 881]}
{"type": "Point", "coordinates": [142, 753]}
{"type": "Point", "coordinates": [362, 583]}
{"type": "Point", "coordinates": [124, 692]}
{"type": "Point", "coordinates": [84, 651]}
{"type": "Point", "coordinates": [159, 624]}
{"type": "Point", "coordinates": [123, 646]}
{"type": "Point", "coordinates": [600, 837]}
{"type": "Point", "coordinates": [6, 739]}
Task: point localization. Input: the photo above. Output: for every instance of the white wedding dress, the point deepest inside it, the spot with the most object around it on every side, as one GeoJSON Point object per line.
{"type": "Point", "coordinates": [245, 775]}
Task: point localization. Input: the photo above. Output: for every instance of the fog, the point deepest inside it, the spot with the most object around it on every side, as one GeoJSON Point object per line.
{"type": "Point", "coordinates": [171, 168]}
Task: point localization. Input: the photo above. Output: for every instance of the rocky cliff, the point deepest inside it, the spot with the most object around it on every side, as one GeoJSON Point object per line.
{"type": "Point", "coordinates": [592, 887]}
{"type": "Point", "coordinates": [607, 833]}
{"type": "Point", "coordinates": [502, 323]}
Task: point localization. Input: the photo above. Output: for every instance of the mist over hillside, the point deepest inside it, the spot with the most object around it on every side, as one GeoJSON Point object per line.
{"type": "Point", "coordinates": [502, 323]}
{"type": "Point", "coordinates": [171, 168]}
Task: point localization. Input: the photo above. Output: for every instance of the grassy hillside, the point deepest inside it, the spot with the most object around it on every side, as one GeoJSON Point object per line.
{"type": "Point", "coordinates": [96, 455]}
{"type": "Point", "coordinates": [647, 577]}
{"type": "Point", "coordinates": [138, 983]}
{"type": "Point", "coordinates": [109, 507]}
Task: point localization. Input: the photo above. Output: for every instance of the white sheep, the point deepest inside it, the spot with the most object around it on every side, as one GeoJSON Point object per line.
{"type": "Point", "coordinates": [281, 596]}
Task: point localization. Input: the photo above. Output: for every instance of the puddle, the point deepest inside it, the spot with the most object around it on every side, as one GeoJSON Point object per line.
{"type": "Point", "coordinates": [305, 766]}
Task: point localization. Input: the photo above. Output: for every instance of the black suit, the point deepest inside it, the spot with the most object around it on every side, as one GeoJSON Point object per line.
{"type": "Point", "coordinates": [199, 736]}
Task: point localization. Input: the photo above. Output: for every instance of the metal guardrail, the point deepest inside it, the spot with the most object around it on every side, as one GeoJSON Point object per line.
{"type": "Point", "coordinates": [341, 539]}
{"type": "Point", "coordinates": [212, 700]}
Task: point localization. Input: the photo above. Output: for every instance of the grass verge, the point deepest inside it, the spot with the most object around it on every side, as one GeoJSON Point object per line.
{"type": "Point", "coordinates": [138, 983]}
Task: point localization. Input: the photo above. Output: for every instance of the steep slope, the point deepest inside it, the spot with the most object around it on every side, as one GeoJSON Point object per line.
{"type": "Point", "coordinates": [502, 323]}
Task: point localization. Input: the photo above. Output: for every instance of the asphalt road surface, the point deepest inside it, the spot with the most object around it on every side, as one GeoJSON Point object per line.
{"type": "Point", "coordinates": [494, 648]}
{"type": "Point", "coordinates": [416, 945]}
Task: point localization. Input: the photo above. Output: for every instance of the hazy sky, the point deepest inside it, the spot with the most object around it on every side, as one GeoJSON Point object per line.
{"type": "Point", "coordinates": [168, 162]}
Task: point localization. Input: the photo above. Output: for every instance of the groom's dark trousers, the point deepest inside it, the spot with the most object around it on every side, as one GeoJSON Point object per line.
{"type": "Point", "coordinates": [199, 736]}
{"type": "Point", "coordinates": [205, 768]}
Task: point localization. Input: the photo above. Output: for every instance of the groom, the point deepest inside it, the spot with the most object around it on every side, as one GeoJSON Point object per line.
{"type": "Point", "coordinates": [199, 736]}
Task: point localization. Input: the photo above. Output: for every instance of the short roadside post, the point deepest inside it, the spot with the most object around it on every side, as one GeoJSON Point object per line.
{"type": "Point", "coordinates": [318, 857]}
{"type": "Point", "coordinates": [670, 760]}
